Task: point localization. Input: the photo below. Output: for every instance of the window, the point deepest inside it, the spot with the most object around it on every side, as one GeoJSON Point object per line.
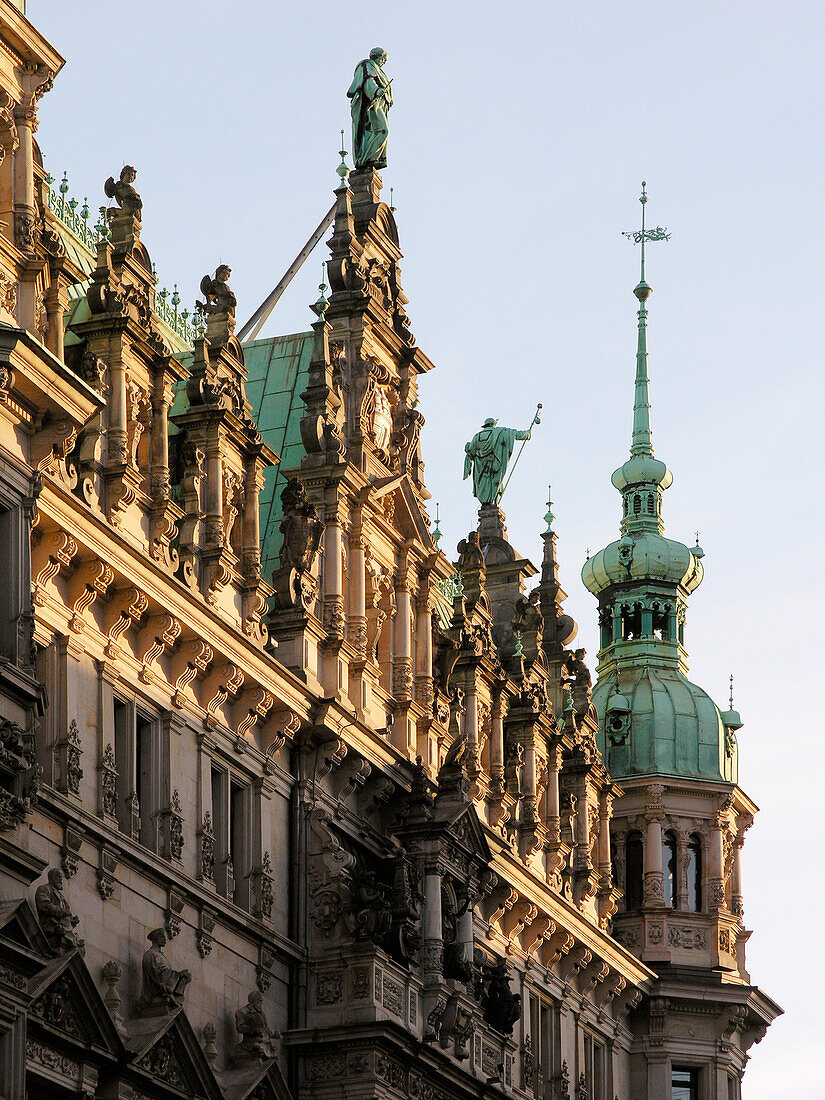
{"type": "Point", "coordinates": [138, 763]}
{"type": "Point", "coordinates": [594, 1061]}
{"type": "Point", "coordinates": [634, 869]}
{"type": "Point", "coordinates": [669, 866]}
{"type": "Point", "coordinates": [543, 1040]}
{"type": "Point", "coordinates": [693, 874]}
{"type": "Point", "coordinates": [231, 806]}
{"type": "Point", "coordinates": [684, 1084]}
{"type": "Point", "coordinates": [637, 505]}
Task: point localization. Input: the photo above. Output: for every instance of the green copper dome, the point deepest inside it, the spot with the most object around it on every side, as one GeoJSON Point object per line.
{"type": "Point", "coordinates": [645, 556]}
{"type": "Point", "coordinates": [675, 728]}
{"type": "Point", "coordinates": [653, 720]}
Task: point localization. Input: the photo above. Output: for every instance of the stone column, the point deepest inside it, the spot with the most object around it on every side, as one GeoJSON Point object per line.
{"type": "Point", "coordinates": [553, 819]}
{"type": "Point", "coordinates": [471, 721]}
{"type": "Point", "coordinates": [682, 859]}
{"type": "Point", "coordinates": [647, 622]}
{"type": "Point", "coordinates": [497, 739]}
{"type": "Point", "coordinates": [433, 955]}
{"type": "Point", "coordinates": [117, 448]}
{"type": "Point", "coordinates": [333, 573]}
{"type": "Point", "coordinates": [213, 495]}
{"type": "Point", "coordinates": [402, 659]}
{"type": "Point", "coordinates": [55, 305]}
{"type": "Point", "coordinates": [25, 211]}
{"type": "Point", "coordinates": [252, 519]}
{"type": "Point", "coordinates": [423, 650]}
{"type": "Point", "coordinates": [356, 579]}
{"type": "Point", "coordinates": [654, 874]}
{"type": "Point", "coordinates": [617, 623]}
{"type": "Point", "coordinates": [736, 899]}
{"type": "Point", "coordinates": [464, 932]}
{"type": "Point", "coordinates": [605, 813]}
{"type": "Point", "coordinates": [716, 870]}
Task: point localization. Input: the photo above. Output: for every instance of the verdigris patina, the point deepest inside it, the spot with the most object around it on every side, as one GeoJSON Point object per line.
{"type": "Point", "coordinates": [371, 97]}
{"type": "Point", "coordinates": [487, 456]}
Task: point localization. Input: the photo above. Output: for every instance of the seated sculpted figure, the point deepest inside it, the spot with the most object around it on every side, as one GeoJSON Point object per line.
{"type": "Point", "coordinates": [163, 987]}
{"type": "Point", "coordinates": [254, 1030]}
{"type": "Point", "coordinates": [56, 918]}
{"type": "Point", "coordinates": [124, 193]}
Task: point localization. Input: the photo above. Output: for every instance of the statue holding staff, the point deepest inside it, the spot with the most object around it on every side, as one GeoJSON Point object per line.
{"type": "Point", "coordinates": [487, 456]}
{"type": "Point", "coordinates": [371, 97]}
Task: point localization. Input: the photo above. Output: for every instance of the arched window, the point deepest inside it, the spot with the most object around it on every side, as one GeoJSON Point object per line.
{"type": "Point", "coordinates": [634, 870]}
{"type": "Point", "coordinates": [637, 505]}
{"type": "Point", "coordinates": [651, 504]}
{"type": "Point", "coordinates": [693, 874]}
{"type": "Point", "coordinates": [669, 866]}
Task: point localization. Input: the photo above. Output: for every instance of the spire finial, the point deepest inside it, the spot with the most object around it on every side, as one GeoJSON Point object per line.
{"type": "Point", "coordinates": [392, 204]}
{"type": "Point", "coordinates": [322, 304]}
{"type": "Point", "coordinates": [342, 170]}
{"type": "Point", "coordinates": [642, 436]}
{"type": "Point", "coordinates": [548, 515]}
{"type": "Point", "coordinates": [437, 536]}
{"type": "Point", "coordinates": [731, 691]}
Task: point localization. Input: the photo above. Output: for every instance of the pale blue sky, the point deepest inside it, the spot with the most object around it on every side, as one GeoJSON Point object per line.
{"type": "Point", "coordinates": [520, 135]}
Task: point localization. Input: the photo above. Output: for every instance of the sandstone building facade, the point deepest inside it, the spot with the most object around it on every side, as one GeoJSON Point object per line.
{"type": "Point", "coordinates": [291, 803]}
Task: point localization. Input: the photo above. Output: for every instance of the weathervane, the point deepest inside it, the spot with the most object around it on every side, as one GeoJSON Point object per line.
{"type": "Point", "coordinates": [639, 236]}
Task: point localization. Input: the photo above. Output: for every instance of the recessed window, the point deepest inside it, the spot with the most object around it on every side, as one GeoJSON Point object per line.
{"type": "Point", "coordinates": [693, 874]}
{"type": "Point", "coordinates": [684, 1083]}
{"type": "Point", "coordinates": [634, 871]}
{"type": "Point", "coordinates": [669, 865]}
{"type": "Point", "coordinates": [137, 759]}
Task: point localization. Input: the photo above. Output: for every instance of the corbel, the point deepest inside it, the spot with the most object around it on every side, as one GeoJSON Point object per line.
{"type": "Point", "coordinates": [59, 549]}
{"type": "Point", "coordinates": [189, 662]}
{"type": "Point", "coordinates": [70, 849]}
{"type": "Point", "coordinates": [504, 898]}
{"type": "Point", "coordinates": [353, 774]}
{"type": "Point", "coordinates": [106, 872]}
{"type": "Point", "coordinates": [125, 608]}
{"type": "Point", "coordinates": [206, 927]}
{"type": "Point", "coordinates": [281, 728]}
{"type": "Point", "coordinates": [538, 933]}
{"type": "Point", "coordinates": [91, 581]}
{"type": "Point", "coordinates": [524, 912]}
{"type": "Point", "coordinates": [560, 944]}
{"type": "Point", "coordinates": [159, 633]}
{"type": "Point", "coordinates": [224, 682]}
{"type": "Point", "coordinates": [172, 914]}
{"type": "Point", "coordinates": [253, 704]}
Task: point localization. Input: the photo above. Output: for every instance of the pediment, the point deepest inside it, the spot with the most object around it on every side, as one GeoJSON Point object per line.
{"type": "Point", "coordinates": [65, 999]}
{"type": "Point", "coordinates": [261, 1081]}
{"type": "Point", "coordinates": [19, 926]}
{"type": "Point", "coordinates": [407, 519]}
{"type": "Point", "coordinates": [466, 831]}
{"type": "Point", "coordinates": [168, 1054]}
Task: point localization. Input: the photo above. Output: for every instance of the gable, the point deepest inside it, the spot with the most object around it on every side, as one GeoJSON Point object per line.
{"type": "Point", "coordinates": [167, 1052]}
{"type": "Point", "coordinates": [65, 999]}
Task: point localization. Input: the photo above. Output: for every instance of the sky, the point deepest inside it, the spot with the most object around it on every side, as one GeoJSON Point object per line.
{"type": "Point", "coordinates": [519, 138]}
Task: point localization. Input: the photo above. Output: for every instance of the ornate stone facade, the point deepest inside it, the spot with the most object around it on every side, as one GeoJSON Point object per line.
{"type": "Point", "coordinates": [353, 793]}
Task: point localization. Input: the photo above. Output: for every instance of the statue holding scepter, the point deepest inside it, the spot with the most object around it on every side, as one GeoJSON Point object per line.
{"type": "Point", "coordinates": [487, 456]}
{"type": "Point", "coordinates": [371, 97]}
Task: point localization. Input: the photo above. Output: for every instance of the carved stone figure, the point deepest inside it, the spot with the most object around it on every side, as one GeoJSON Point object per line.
{"type": "Point", "coordinates": [370, 916]}
{"type": "Point", "coordinates": [371, 97]}
{"type": "Point", "coordinates": [502, 1007]}
{"type": "Point", "coordinates": [124, 193]}
{"type": "Point", "coordinates": [487, 456]}
{"type": "Point", "coordinates": [55, 915]}
{"type": "Point", "coordinates": [219, 298]}
{"type": "Point", "coordinates": [163, 988]}
{"type": "Point", "coordinates": [256, 1035]}
{"type": "Point", "coordinates": [302, 530]}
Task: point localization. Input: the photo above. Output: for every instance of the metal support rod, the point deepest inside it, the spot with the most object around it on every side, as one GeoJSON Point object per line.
{"type": "Point", "coordinates": [258, 319]}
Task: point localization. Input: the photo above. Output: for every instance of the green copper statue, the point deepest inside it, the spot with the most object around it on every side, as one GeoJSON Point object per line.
{"type": "Point", "coordinates": [487, 456]}
{"type": "Point", "coordinates": [371, 97]}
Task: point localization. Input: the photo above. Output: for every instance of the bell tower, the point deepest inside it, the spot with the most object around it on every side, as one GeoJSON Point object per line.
{"type": "Point", "coordinates": [679, 826]}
